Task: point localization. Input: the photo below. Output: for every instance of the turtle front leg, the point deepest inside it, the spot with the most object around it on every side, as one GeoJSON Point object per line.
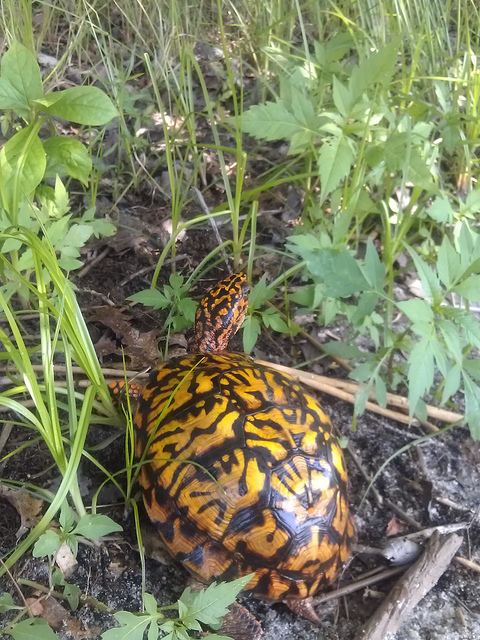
{"type": "Point", "coordinates": [303, 608]}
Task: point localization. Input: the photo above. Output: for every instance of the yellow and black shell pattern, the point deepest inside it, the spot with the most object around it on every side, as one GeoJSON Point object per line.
{"type": "Point", "coordinates": [243, 475]}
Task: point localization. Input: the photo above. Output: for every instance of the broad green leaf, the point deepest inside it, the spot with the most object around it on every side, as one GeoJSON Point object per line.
{"type": "Point", "coordinates": [251, 331]}
{"type": "Point", "coordinates": [150, 604]}
{"type": "Point", "coordinates": [21, 69]}
{"type": "Point", "coordinates": [94, 525]}
{"type": "Point", "coordinates": [472, 202]}
{"type": "Point", "coordinates": [472, 406]}
{"type": "Point", "coordinates": [420, 371]}
{"type": "Point", "coordinates": [334, 162]}
{"type": "Point", "coordinates": [66, 518]}
{"type": "Point", "coordinates": [379, 68]}
{"type": "Point", "coordinates": [416, 310]}
{"type": "Point", "coordinates": [77, 235]}
{"type": "Point", "coordinates": [428, 278]}
{"type": "Point", "coordinates": [275, 322]}
{"type": "Point", "coordinates": [211, 604]}
{"type": "Point", "coordinates": [451, 336]}
{"type": "Point", "coordinates": [341, 97]}
{"type": "Point", "coordinates": [469, 288]}
{"type": "Point", "coordinates": [305, 116]}
{"type": "Point", "coordinates": [441, 210]}
{"type": "Point", "coordinates": [380, 391]}
{"type": "Point", "coordinates": [373, 268]}
{"type": "Point", "coordinates": [452, 383]}
{"type": "Point", "coordinates": [342, 350]}
{"type": "Point", "coordinates": [133, 627]}
{"type": "Point", "coordinates": [47, 544]}
{"type": "Point", "coordinates": [151, 298]}
{"type": "Point", "coordinates": [448, 263]}
{"type": "Point", "coordinates": [67, 156]}
{"type": "Point", "coordinates": [22, 165]}
{"type": "Point", "coordinates": [10, 98]}
{"type": "Point", "coordinates": [363, 371]}
{"type": "Point", "coordinates": [153, 631]}
{"type": "Point", "coordinates": [72, 593]}
{"type": "Point", "coordinates": [361, 399]}
{"type": "Point", "coordinates": [84, 105]}
{"type": "Point", "coordinates": [260, 293]}
{"type": "Point", "coordinates": [188, 307]}
{"type": "Point", "coordinates": [32, 629]}
{"type": "Point", "coordinates": [6, 602]}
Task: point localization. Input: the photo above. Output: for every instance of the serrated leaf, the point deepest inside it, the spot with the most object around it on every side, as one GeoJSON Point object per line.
{"type": "Point", "coordinates": [472, 406]}
{"type": "Point", "coordinates": [67, 156]}
{"type": "Point", "coordinates": [334, 163]}
{"type": "Point", "coordinates": [373, 268]}
{"type": "Point", "coordinates": [151, 298]}
{"type": "Point", "coordinates": [361, 399]}
{"type": "Point", "coordinates": [441, 210]}
{"type": "Point", "coordinates": [251, 331]}
{"type": "Point", "coordinates": [85, 105]}
{"type": "Point", "coordinates": [448, 263]}
{"type": "Point", "coordinates": [275, 322]}
{"type": "Point", "coordinates": [469, 288]}
{"type": "Point", "coordinates": [379, 68]}
{"type": "Point", "coordinates": [428, 278]}
{"type": "Point", "coordinates": [342, 98]}
{"type": "Point", "coordinates": [47, 544]}
{"type": "Point", "coordinates": [94, 525]}
{"type": "Point", "coordinates": [420, 371]}
{"type": "Point", "coordinates": [452, 383]}
{"type": "Point", "coordinates": [133, 627]}
{"type": "Point", "coordinates": [472, 202]}
{"type": "Point", "coordinates": [32, 629]}
{"type": "Point", "coordinates": [188, 307]}
{"type": "Point", "coordinates": [21, 69]}
{"type": "Point", "coordinates": [211, 604]}
{"type": "Point", "coordinates": [416, 310]}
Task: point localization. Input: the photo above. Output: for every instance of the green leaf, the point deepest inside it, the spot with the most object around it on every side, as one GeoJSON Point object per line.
{"type": "Point", "coordinates": [211, 604]}
{"type": "Point", "coordinates": [66, 518]}
{"type": "Point", "coordinates": [275, 321]}
{"type": "Point", "coordinates": [448, 263]}
{"type": "Point", "coordinates": [341, 97]}
{"type": "Point", "coordinates": [72, 593]}
{"type": "Point", "coordinates": [380, 391]}
{"type": "Point", "coordinates": [379, 68]}
{"type": "Point", "coordinates": [344, 350]}
{"type": "Point", "coordinates": [420, 372]}
{"type": "Point", "coordinates": [67, 156]}
{"type": "Point", "coordinates": [21, 70]}
{"type": "Point", "coordinates": [441, 210]}
{"type": "Point", "coordinates": [361, 399]}
{"type": "Point", "coordinates": [469, 288]}
{"type": "Point", "coordinates": [188, 307]}
{"type": "Point", "coordinates": [428, 278]}
{"type": "Point", "coordinates": [10, 98]}
{"type": "Point", "coordinates": [6, 602]}
{"type": "Point", "coordinates": [47, 544]}
{"type": "Point", "coordinates": [133, 627]}
{"type": "Point", "coordinates": [363, 371]}
{"type": "Point", "coordinates": [94, 525]}
{"type": "Point", "coordinates": [452, 383]}
{"type": "Point", "coordinates": [22, 165]}
{"type": "Point", "coordinates": [150, 604]}
{"type": "Point", "coordinates": [334, 162]}
{"type": "Point", "coordinates": [472, 406]}
{"type": "Point", "coordinates": [373, 268]}
{"type": "Point", "coordinates": [251, 331]}
{"type": "Point", "coordinates": [416, 310]}
{"type": "Point", "coordinates": [151, 298]}
{"type": "Point", "coordinates": [84, 105]}
{"type": "Point", "coordinates": [32, 629]}
{"type": "Point", "coordinates": [153, 631]}
{"type": "Point", "coordinates": [260, 293]}
{"type": "Point", "coordinates": [77, 235]}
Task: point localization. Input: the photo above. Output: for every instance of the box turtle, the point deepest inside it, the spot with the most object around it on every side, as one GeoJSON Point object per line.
{"type": "Point", "coordinates": [243, 473]}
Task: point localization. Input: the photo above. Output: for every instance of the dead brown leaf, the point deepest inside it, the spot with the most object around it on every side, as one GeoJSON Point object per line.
{"type": "Point", "coordinates": [27, 506]}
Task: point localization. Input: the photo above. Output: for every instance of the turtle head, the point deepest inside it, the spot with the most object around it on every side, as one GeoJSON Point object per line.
{"type": "Point", "coordinates": [221, 313]}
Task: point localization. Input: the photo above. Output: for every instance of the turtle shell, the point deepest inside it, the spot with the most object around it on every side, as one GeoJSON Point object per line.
{"type": "Point", "coordinates": [243, 475]}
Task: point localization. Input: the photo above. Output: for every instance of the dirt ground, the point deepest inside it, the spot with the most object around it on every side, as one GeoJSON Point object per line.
{"type": "Point", "coordinates": [437, 483]}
